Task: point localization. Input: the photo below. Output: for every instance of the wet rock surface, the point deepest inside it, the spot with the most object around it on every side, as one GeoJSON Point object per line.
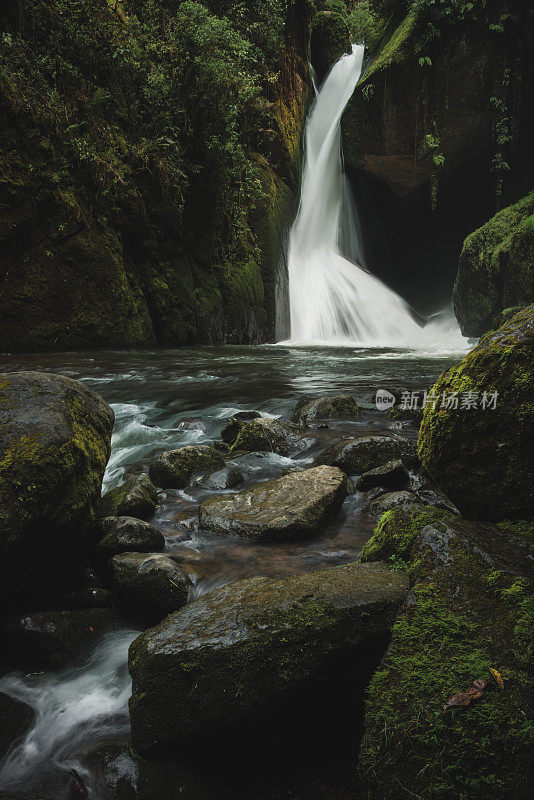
{"type": "Point", "coordinates": [309, 410]}
{"type": "Point", "coordinates": [150, 583]}
{"type": "Point", "coordinates": [54, 443]}
{"type": "Point", "coordinates": [233, 426]}
{"type": "Point", "coordinates": [173, 469]}
{"type": "Point", "coordinates": [386, 502]}
{"type": "Point", "coordinates": [136, 497]}
{"type": "Point", "coordinates": [227, 478]}
{"type": "Point", "coordinates": [271, 435]}
{"type": "Point", "coordinates": [356, 456]}
{"type": "Point", "coordinates": [258, 636]}
{"type": "Point", "coordinates": [128, 534]}
{"type": "Point", "coordinates": [295, 504]}
{"type": "Point", "coordinates": [391, 475]}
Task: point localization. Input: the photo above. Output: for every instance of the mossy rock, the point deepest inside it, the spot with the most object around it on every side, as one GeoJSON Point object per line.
{"type": "Point", "coordinates": [136, 497]}
{"type": "Point", "coordinates": [55, 439]}
{"type": "Point", "coordinates": [470, 609]}
{"type": "Point", "coordinates": [270, 435]}
{"type": "Point", "coordinates": [228, 653]}
{"type": "Point", "coordinates": [496, 268]}
{"type": "Point", "coordinates": [235, 423]}
{"type": "Point", "coordinates": [484, 458]}
{"type": "Point", "coordinates": [330, 40]}
{"type": "Point", "coordinates": [174, 468]}
{"type": "Point", "coordinates": [314, 409]}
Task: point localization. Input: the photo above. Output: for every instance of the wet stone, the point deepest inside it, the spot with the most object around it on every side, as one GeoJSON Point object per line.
{"type": "Point", "coordinates": [295, 504]}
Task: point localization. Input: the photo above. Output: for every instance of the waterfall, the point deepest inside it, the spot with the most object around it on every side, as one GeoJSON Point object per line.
{"type": "Point", "coordinates": [332, 300]}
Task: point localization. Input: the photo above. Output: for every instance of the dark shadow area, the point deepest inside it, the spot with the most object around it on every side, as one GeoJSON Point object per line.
{"type": "Point", "coordinates": [298, 747]}
{"type": "Point", "coordinates": [413, 248]}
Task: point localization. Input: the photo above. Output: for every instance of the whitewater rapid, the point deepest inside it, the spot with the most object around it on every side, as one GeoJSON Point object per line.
{"type": "Point", "coordinates": [332, 300]}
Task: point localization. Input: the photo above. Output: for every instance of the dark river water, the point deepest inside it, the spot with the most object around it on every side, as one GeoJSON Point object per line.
{"type": "Point", "coordinates": [163, 400]}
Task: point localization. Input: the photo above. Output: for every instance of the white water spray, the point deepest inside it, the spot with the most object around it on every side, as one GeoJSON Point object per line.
{"type": "Point", "coordinates": [332, 300]}
{"type": "Point", "coordinates": [76, 709]}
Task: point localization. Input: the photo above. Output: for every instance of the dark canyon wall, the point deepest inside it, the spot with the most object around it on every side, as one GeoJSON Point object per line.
{"type": "Point", "coordinates": [149, 156]}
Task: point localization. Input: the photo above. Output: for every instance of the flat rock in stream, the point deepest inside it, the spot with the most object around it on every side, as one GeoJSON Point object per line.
{"type": "Point", "coordinates": [271, 436]}
{"type": "Point", "coordinates": [315, 409]}
{"type": "Point", "coordinates": [136, 497]}
{"type": "Point", "coordinates": [356, 456]}
{"type": "Point", "coordinates": [289, 506]}
{"type": "Point", "coordinates": [232, 650]}
{"type": "Point", "coordinates": [174, 468]}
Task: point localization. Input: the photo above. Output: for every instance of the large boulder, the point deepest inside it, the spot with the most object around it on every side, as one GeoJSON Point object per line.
{"type": "Point", "coordinates": [496, 268]}
{"type": "Point", "coordinates": [233, 650]}
{"type": "Point", "coordinates": [128, 534]}
{"type": "Point", "coordinates": [174, 468]}
{"type": "Point", "coordinates": [469, 611]}
{"type": "Point", "coordinates": [483, 457]}
{"type": "Point", "coordinates": [136, 497]}
{"type": "Point", "coordinates": [55, 439]}
{"type": "Point", "coordinates": [294, 504]}
{"type": "Point", "coordinates": [356, 456]}
{"type": "Point", "coordinates": [271, 435]}
{"type": "Point", "coordinates": [150, 582]}
{"type": "Point", "coordinates": [321, 408]}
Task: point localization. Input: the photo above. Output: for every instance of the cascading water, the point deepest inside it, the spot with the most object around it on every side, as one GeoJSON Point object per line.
{"type": "Point", "coordinates": [332, 300]}
{"type": "Point", "coordinates": [75, 709]}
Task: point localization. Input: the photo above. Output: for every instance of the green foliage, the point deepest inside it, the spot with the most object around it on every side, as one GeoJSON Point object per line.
{"type": "Point", "coordinates": [364, 24]}
{"type": "Point", "coordinates": [433, 144]}
{"type": "Point", "coordinates": [152, 124]}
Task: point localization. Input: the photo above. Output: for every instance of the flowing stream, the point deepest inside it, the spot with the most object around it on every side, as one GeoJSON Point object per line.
{"type": "Point", "coordinates": [333, 300]}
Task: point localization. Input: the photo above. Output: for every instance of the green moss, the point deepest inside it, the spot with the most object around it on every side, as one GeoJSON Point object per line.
{"type": "Point", "coordinates": [140, 166]}
{"type": "Point", "coordinates": [482, 457]}
{"type": "Point", "coordinates": [461, 618]}
{"type": "Point", "coordinates": [397, 530]}
{"type": "Point", "coordinates": [495, 270]}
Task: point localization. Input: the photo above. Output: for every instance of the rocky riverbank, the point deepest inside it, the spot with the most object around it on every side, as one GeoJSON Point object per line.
{"type": "Point", "coordinates": [437, 601]}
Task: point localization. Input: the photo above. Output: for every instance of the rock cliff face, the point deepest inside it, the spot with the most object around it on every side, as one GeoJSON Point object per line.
{"type": "Point", "coordinates": [148, 166]}
{"type": "Point", "coordinates": [437, 133]}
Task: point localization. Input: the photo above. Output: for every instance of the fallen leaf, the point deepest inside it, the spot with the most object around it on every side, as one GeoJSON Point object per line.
{"type": "Point", "coordinates": [497, 677]}
{"type": "Point", "coordinates": [461, 699]}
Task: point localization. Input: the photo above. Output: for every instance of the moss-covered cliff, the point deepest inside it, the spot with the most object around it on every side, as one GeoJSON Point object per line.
{"type": "Point", "coordinates": [496, 269]}
{"type": "Point", "coordinates": [148, 167]}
